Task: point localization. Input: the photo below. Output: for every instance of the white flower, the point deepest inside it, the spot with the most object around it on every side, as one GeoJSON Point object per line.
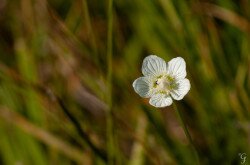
{"type": "Point", "coordinates": [162, 81]}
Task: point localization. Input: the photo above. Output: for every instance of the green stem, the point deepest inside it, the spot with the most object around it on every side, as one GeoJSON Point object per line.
{"type": "Point", "coordinates": [186, 132]}
{"type": "Point", "coordinates": [110, 127]}
{"type": "Point", "coordinates": [90, 29]}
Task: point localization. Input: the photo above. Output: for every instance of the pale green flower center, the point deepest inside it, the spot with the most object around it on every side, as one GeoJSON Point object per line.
{"type": "Point", "coordinates": [165, 84]}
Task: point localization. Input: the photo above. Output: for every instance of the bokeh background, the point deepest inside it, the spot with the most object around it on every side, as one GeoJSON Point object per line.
{"type": "Point", "coordinates": [66, 73]}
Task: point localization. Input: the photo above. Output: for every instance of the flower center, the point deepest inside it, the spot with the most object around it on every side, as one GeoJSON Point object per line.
{"type": "Point", "coordinates": [165, 84]}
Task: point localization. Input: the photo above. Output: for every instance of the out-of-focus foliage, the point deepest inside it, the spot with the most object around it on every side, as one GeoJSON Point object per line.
{"type": "Point", "coordinates": [54, 90]}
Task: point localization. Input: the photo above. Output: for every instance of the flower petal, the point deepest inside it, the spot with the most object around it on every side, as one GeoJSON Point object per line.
{"type": "Point", "coordinates": [160, 100]}
{"type": "Point", "coordinates": [183, 88]}
{"type": "Point", "coordinates": [142, 86]}
{"type": "Point", "coordinates": [177, 68]}
{"type": "Point", "coordinates": [153, 65]}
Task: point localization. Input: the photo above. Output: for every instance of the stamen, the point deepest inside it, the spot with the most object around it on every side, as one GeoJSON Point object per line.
{"type": "Point", "coordinates": [165, 84]}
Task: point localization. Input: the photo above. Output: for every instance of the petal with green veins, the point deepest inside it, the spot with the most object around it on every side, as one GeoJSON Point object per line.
{"type": "Point", "coordinates": [142, 86]}
{"type": "Point", "coordinates": [153, 66]}
{"type": "Point", "coordinates": [160, 100]}
{"type": "Point", "coordinates": [182, 89]}
{"type": "Point", "coordinates": [177, 68]}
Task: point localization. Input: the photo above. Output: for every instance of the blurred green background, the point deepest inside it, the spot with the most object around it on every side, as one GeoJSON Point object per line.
{"type": "Point", "coordinates": [66, 73]}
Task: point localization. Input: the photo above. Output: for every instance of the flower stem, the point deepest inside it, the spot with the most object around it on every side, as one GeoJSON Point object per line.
{"type": "Point", "coordinates": [186, 132]}
{"type": "Point", "coordinates": [110, 126]}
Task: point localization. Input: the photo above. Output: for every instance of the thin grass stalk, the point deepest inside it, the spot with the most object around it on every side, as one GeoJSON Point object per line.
{"type": "Point", "coordinates": [180, 116]}
{"type": "Point", "coordinates": [110, 128]}
{"type": "Point", "coordinates": [173, 149]}
{"type": "Point", "coordinates": [11, 117]}
{"type": "Point", "coordinates": [81, 132]}
{"type": "Point", "coordinates": [40, 89]}
{"type": "Point", "coordinates": [90, 28]}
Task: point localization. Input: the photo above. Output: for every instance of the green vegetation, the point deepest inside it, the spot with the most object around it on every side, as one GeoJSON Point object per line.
{"type": "Point", "coordinates": [66, 74]}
